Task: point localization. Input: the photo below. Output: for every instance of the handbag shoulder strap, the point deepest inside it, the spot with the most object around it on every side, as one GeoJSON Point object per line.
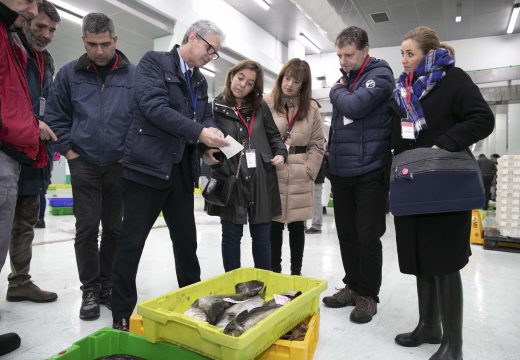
{"type": "Point", "coordinates": [239, 162]}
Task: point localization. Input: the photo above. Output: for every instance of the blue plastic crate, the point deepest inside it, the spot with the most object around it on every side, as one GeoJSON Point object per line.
{"type": "Point", "coordinates": [60, 202]}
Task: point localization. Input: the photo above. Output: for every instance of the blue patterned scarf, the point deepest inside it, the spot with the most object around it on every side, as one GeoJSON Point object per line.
{"type": "Point", "coordinates": [427, 74]}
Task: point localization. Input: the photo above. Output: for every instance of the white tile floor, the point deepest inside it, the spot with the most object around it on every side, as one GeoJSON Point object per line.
{"type": "Point", "coordinates": [491, 295]}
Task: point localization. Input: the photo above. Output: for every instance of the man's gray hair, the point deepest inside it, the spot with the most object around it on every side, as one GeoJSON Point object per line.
{"type": "Point", "coordinates": [98, 23]}
{"type": "Point", "coordinates": [203, 27]}
{"type": "Point", "coordinates": [50, 10]}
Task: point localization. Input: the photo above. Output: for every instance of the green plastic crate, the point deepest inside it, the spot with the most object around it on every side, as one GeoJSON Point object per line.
{"type": "Point", "coordinates": [164, 319]}
{"type": "Point", "coordinates": [62, 210]}
{"type": "Point", "coordinates": [107, 341]}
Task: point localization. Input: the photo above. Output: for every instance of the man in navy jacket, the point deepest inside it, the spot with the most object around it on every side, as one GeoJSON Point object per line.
{"type": "Point", "coordinates": [359, 148]}
{"type": "Point", "coordinates": [161, 164]}
{"type": "Point", "coordinates": [89, 109]}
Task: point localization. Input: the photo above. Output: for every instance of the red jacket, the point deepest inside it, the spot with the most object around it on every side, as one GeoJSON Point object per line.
{"type": "Point", "coordinates": [19, 131]}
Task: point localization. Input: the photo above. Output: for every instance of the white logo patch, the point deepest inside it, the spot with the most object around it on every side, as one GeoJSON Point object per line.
{"type": "Point", "coordinates": [370, 84]}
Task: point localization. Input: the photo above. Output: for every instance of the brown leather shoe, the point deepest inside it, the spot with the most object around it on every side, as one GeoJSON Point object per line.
{"type": "Point", "coordinates": [30, 292]}
{"type": "Point", "coordinates": [344, 297]}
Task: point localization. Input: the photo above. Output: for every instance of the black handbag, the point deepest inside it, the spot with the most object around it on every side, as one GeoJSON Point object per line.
{"type": "Point", "coordinates": [218, 190]}
{"type": "Point", "coordinates": [429, 180]}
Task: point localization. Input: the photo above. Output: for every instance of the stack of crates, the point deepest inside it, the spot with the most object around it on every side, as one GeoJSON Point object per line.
{"type": "Point", "coordinates": [508, 195]}
{"type": "Point", "coordinates": [61, 205]}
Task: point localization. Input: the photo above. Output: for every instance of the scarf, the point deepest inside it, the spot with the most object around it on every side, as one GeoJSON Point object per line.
{"type": "Point", "coordinates": [427, 74]}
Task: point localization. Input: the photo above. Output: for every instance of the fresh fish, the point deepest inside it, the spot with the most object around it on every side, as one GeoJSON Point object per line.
{"type": "Point", "coordinates": [214, 305]}
{"type": "Point", "coordinates": [120, 357]}
{"type": "Point", "coordinates": [250, 288]}
{"type": "Point", "coordinates": [196, 313]}
{"type": "Point", "coordinates": [230, 313]}
{"type": "Point", "coordinates": [248, 318]}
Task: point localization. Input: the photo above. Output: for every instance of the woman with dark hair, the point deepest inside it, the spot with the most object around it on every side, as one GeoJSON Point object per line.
{"type": "Point", "coordinates": [299, 121]}
{"type": "Point", "coordinates": [240, 112]}
{"type": "Point", "coordinates": [440, 107]}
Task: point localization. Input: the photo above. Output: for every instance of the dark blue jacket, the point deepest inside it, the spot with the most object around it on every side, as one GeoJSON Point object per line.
{"type": "Point", "coordinates": [359, 144]}
{"type": "Point", "coordinates": [34, 181]}
{"type": "Point", "coordinates": [163, 122]}
{"type": "Point", "coordinates": [89, 116]}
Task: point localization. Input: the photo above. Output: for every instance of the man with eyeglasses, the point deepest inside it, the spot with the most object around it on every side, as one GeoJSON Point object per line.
{"type": "Point", "coordinates": [171, 118]}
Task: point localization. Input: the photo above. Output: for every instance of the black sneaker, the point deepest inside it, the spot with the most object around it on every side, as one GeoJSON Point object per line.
{"type": "Point", "coordinates": [89, 305]}
{"type": "Point", "coordinates": [344, 297]}
{"type": "Point", "coordinates": [121, 324]}
{"type": "Point", "coordinates": [312, 231]}
{"type": "Point", "coordinates": [105, 297]}
{"type": "Point", "coordinates": [9, 342]}
{"type": "Point", "coordinates": [366, 308]}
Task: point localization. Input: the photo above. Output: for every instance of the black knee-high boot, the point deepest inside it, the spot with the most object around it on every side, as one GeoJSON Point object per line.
{"type": "Point", "coordinates": [449, 288]}
{"type": "Point", "coordinates": [276, 246]}
{"type": "Point", "coordinates": [428, 329]}
{"type": "Point", "coordinates": [297, 244]}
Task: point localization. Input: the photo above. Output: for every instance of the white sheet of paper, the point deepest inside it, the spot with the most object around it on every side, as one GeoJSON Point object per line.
{"type": "Point", "coordinates": [233, 148]}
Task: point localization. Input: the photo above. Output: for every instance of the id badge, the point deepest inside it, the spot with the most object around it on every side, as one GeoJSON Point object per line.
{"type": "Point", "coordinates": [407, 131]}
{"type": "Point", "coordinates": [251, 158]}
{"type": "Point", "coordinates": [42, 106]}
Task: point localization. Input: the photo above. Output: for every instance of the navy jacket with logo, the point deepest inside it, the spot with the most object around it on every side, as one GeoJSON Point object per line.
{"type": "Point", "coordinates": [359, 137]}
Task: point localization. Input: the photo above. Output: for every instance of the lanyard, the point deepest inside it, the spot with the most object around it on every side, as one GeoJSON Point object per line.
{"type": "Point", "coordinates": [408, 87]}
{"type": "Point", "coordinates": [250, 127]}
{"type": "Point", "coordinates": [360, 72]}
{"type": "Point", "coordinates": [40, 63]}
{"type": "Point", "coordinates": [193, 97]}
{"type": "Point", "coordinates": [290, 122]}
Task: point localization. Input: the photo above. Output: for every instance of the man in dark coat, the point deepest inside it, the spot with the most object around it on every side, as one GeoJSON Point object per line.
{"type": "Point", "coordinates": [89, 109]}
{"type": "Point", "coordinates": [488, 169]}
{"type": "Point", "coordinates": [161, 163]}
{"type": "Point", "coordinates": [36, 34]}
{"type": "Point", "coordinates": [359, 144]}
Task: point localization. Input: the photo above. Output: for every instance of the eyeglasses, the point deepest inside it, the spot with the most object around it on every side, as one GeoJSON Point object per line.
{"type": "Point", "coordinates": [210, 49]}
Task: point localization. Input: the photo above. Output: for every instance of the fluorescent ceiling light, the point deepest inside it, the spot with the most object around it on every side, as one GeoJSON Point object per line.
{"type": "Point", "coordinates": [263, 4]}
{"type": "Point", "coordinates": [514, 16]}
{"type": "Point", "coordinates": [69, 12]}
{"type": "Point", "coordinates": [458, 17]}
{"type": "Point", "coordinates": [309, 43]}
{"type": "Point", "coordinates": [207, 72]}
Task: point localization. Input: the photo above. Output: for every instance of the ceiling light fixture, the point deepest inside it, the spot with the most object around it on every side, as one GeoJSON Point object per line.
{"type": "Point", "coordinates": [458, 17]}
{"type": "Point", "coordinates": [514, 16]}
{"type": "Point", "coordinates": [207, 72]}
{"type": "Point", "coordinates": [309, 43]}
{"type": "Point", "coordinates": [69, 12]}
{"type": "Point", "coordinates": [263, 4]}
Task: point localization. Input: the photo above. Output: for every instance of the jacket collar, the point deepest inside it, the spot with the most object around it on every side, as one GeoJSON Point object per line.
{"type": "Point", "coordinates": [196, 78]}
{"type": "Point", "coordinates": [85, 64]}
{"type": "Point", "coordinates": [7, 16]}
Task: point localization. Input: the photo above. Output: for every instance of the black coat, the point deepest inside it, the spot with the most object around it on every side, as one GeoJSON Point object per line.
{"type": "Point", "coordinates": [257, 196]}
{"type": "Point", "coordinates": [457, 116]}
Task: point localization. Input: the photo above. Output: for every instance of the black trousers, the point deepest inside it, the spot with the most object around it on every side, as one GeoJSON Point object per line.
{"type": "Point", "coordinates": [487, 180]}
{"type": "Point", "coordinates": [142, 207]}
{"type": "Point", "coordinates": [359, 213]}
{"type": "Point", "coordinates": [98, 196]}
{"type": "Point", "coordinates": [296, 244]}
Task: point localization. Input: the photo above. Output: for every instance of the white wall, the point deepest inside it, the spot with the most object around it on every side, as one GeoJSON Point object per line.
{"type": "Point", "coordinates": [246, 38]}
{"type": "Point", "coordinates": [471, 54]}
{"type": "Point", "coordinates": [513, 119]}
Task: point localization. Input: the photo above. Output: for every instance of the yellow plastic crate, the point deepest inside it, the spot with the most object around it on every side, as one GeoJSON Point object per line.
{"type": "Point", "coordinates": [280, 350]}
{"type": "Point", "coordinates": [296, 350]}
{"type": "Point", "coordinates": [164, 319]}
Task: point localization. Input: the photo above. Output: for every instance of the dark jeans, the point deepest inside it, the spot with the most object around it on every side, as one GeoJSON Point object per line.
{"type": "Point", "coordinates": [296, 243]}
{"type": "Point", "coordinates": [359, 213]}
{"type": "Point", "coordinates": [98, 197]}
{"type": "Point", "coordinates": [20, 248]}
{"type": "Point", "coordinates": [487, 180]}
{"type": "Point", "coordinates": [231, 237]}
{"type": "Point", "coordinates": [142, 207]}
